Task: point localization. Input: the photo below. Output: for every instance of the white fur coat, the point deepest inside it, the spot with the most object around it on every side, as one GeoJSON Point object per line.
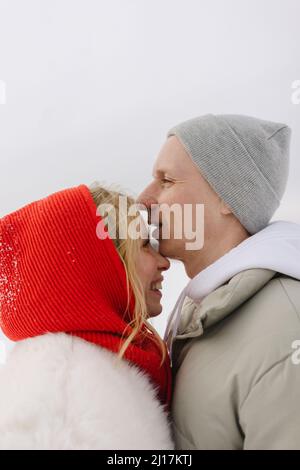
{"type": "Point", "coordinates": [62, 392]}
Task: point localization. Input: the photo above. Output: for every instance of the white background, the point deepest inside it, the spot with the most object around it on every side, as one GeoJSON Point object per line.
{"type": "Point", "coordinates": [93, 86]}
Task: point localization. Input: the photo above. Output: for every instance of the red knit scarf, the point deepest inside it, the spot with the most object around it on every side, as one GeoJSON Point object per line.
{"type": "Point", "coordinates": [56, 275]}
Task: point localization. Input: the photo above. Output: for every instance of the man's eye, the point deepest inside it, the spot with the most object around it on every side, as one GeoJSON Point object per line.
{"type": "Point", "coordinates": [164, 180]}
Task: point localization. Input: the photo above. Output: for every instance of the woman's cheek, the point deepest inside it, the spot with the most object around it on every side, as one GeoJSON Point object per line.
{"type": "Point", "coordinates": [143, 269]}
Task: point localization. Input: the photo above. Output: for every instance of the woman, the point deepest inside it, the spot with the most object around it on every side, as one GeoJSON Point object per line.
{"type": "Point", "coordinates": [88, 371]}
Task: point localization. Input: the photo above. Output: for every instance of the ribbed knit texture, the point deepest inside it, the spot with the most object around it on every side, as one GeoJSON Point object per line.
{"type": "Point", "coordinates": [56, 275]}
{"type": "Point", "coordinates": [244, 159]}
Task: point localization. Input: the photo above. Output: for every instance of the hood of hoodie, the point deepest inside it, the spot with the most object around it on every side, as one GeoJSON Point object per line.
{"type": "Point", "coordinates": [247, 267]}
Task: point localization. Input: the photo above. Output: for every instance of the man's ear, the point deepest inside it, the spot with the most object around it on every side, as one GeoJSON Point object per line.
{"type": "Point", "coordinates": [224, 208]}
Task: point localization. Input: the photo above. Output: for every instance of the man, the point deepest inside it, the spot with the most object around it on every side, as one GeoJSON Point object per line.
{"type": "Point", "coordinates": [235, 331]}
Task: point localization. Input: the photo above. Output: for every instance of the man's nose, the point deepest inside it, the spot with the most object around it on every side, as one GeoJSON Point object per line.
{"type": "Point", "coordinates": [148, 196]}
{"type": "Point", "coordinates": [147, 199]}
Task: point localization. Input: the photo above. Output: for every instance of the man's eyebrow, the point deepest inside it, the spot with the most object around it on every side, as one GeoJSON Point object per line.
{"type": "Point", "coordinates": [162, 173]}
{"type": "Point", "coordinates": [159, 173]}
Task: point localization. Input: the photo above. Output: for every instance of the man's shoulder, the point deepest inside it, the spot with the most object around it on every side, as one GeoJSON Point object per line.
{"type": "Point", "coordinates": [277, 303]}
{"type": "Point", "coordinates": [260, 331]}
{"type": "Point", "coordinates": [290, 288]}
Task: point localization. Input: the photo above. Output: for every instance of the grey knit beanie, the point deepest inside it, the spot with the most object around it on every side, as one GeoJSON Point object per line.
{"type": "Point", "coordinates": [244, 159]}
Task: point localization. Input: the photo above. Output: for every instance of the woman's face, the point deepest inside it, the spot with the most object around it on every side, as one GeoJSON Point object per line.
{"type": "Point", "coordinates": [150, 265]}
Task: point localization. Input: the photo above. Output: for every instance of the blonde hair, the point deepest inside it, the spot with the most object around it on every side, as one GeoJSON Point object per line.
{"type": "Point", "coordinates": [128, 250]}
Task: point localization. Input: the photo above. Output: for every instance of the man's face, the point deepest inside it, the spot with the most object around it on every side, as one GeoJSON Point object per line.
{"type": "Point", "coordinates": [177, 179]}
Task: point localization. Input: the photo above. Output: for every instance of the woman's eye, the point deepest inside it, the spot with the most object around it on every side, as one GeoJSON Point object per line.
{"type": "Point", "coordinates": [146, 243]}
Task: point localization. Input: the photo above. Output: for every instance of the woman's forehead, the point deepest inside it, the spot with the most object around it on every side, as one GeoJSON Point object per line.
{"type": "Point", "coordinates": [143, 224]}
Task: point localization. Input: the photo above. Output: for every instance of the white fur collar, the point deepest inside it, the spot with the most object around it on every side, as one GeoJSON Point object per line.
{"type": "Point", "coordinates": [61, 392]}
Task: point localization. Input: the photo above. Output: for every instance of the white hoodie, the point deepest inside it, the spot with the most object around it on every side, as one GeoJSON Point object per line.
{"type": "Point", "coordinates": [276, 247]}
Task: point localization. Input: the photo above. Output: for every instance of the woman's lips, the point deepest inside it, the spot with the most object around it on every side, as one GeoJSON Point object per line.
{"type": "Point", "coordinates": [156, 292]}
{"type": "Point", "coordinates": [156, 286]}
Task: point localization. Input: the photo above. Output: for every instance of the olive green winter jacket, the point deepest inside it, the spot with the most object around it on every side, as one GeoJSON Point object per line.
{"type": "Point", "coordinates": [236, 365]}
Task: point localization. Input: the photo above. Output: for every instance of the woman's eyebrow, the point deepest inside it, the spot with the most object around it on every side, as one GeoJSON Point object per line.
{"type": "Point", "coordinates": [144, 237]}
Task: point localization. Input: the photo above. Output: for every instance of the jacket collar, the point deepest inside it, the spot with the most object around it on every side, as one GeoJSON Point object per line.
{"type": "Point", "coordinates": [196, 317]}
{"type": "Point", "coordinates": [256, 252]}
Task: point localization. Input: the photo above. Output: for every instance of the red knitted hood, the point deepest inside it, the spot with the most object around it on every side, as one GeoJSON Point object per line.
{"type": "Point", "coordinates": [56, 275]}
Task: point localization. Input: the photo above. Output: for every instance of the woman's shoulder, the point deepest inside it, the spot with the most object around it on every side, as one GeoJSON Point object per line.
{"type": "Point", "coordinates": [60, 391]}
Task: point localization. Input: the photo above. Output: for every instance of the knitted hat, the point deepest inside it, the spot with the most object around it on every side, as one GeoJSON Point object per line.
{"type": "Point", "coordinates": [56, 275]}
{"type": "Point", "coordinates": [244, 159]}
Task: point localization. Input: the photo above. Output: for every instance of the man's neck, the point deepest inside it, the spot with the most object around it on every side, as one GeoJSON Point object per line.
{"type": "Point", "coordinates": [196, 262]}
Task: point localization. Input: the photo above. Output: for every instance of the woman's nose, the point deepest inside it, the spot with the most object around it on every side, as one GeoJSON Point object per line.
{"type": "Point", "coordinates": [163, 263]}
